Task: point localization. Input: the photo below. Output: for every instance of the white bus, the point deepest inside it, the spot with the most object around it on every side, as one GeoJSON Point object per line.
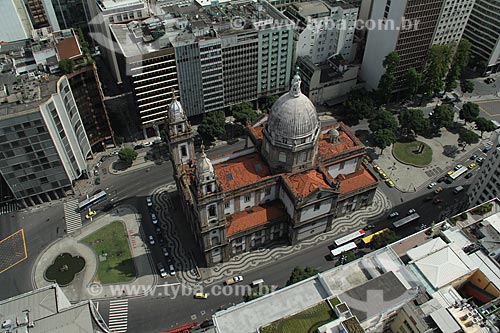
{"type": "Point", "coordinates": [405, 220]}
{"type": "Point", "coordinates": [344, 248]}
{"type": "Point", "coordinates": [93, 200]}
{"type": "Point", "coordinates": [349, 237]}
{"type": "Point", "coordinates": [458, 173]}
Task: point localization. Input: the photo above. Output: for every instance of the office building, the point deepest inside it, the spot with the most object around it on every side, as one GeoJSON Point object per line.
{"type": "Point", "coordinates": [410, 27]}
{"type": "Point", "coordinates": [72, 14]}
{"type": "Point", "coordinates": [42, 14]}
{"type": "Point", "coordinates": [483, 31]}
{"type": "Point", "coordinates": [106, 12]}
{"type": "Point", "coordinates": [325, 28]}
{"type": "Point", "coordinates": [291, 181]}
{"type": "Point", "coordinates": [15, 23]}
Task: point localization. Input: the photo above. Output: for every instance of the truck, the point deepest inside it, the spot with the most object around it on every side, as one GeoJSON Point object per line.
{"type": "Point", "coordinates": [234, 279]}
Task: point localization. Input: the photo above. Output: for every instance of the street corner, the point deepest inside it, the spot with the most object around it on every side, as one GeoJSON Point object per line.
{"type": "Point", "coordinates": [12, 250]}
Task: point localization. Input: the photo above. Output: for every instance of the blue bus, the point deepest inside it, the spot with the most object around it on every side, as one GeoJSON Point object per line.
{"type": "Point", "coordinates": [93, 200]}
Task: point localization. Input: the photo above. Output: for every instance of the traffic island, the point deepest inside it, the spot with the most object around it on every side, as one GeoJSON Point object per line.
{"type": "Point", "coordinates": [110, 243]}
{"type": "Point", "coordinates": [415, 153]}
{"type": "Point", "coordinates": [64, 269]}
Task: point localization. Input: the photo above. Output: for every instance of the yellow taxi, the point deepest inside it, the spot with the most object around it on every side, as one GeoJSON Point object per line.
{"type": "Point", "coordinates": [90, 214]}
{"type": "Point", "coordinates": [389, 183]}
{"type": "Point", "coordinates": [377, 168]}
{"type": "Point", "coordinates": [201, 295]}
{"type": "Point", "coordinates": [472, 165]}
{"type": "Point", "coordinates": [384, 176]}
{"type": "Point", "coordinates": [450, 172]}
{"type": "Point", "coordinates": [438, 190]}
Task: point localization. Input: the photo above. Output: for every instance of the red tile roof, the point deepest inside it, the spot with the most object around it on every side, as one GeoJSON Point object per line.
{"type": "Point", "coordinates": [68, 48]}
{"type": "Point", "coordinates": [304, 183]}
{"type": "Point", "coordinates": [241, 171]}
{"type": "Point", "coordinates": [254, 216]}
{"type": "Point", "coordinates": [347, 141]}
{"type": "Point", "coordinates": [257, 132]}
{"type": "Point", "coordinates": [356, 180]}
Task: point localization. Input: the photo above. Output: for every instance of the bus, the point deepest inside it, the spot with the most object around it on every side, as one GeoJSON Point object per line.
{"type": "Point", "coordinates": [93, 200]}
{"type": "Point", "coordinates": [344, 248]}
{"type": "Point", "coordinates": [349, 237]}
{"type": "Point", "coordinates": [458, 173]}
{"type": "Point", "coordinates": [405, 220]}
{"type": "Point", "coordinates": [368, 239]}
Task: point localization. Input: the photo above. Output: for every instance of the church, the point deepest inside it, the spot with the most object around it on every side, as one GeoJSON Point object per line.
{"type": "Point", "coordinates": [290, 182]}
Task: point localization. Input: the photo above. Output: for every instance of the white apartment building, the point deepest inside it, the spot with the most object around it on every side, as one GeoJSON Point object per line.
{"type": "Point", "coordinates": [452, 21]}
{"type": "Point", "coordinates": [15, 23]}
{"type": "Point", "coordinates": [106, 12]}
{"type": "Point", "coordinates": [326, 28]}
{"type": "Point", "coordinates": [486, 185]}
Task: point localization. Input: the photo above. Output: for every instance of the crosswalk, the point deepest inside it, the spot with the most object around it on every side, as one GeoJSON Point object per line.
{"type": "Point", "coordinates": [72, 218]}
{"type": "Point", "coordinates": [118, 315]}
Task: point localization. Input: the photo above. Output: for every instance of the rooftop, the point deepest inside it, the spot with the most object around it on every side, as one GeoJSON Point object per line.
{"type": "Point", "coordinates": [347, 141]}
{"type": "Point", "coordinates": [241, 171]}
{"type": "Point", "coordinates": [357, 180]}
{"type": "Point", "coordinates": [68, 48]}
{"type": "Point", "coordinates": [255, 216]}
{"type": "Point", "coordinates": [313, 9]}
{"type": "Point", "coordinates": [302, 184]}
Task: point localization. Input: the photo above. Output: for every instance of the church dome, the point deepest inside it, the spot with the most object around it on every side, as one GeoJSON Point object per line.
{"type": "Point", "coordinates": [293, 119]}
{"type": "Point", "coordinates": [204, 167]}
{"type": "Point", "coordinates": [176, 112]}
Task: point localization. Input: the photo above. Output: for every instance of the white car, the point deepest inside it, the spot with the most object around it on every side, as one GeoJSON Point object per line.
{"type": "Point", "coordinates": [147, 144]}
{"type": "Point", "coordinates": [154, 219]}
{"type": "Point", "coordinates": [150, 203]}
{"type": "Point", "coordinates": [431, 185]}
{"type": "Point", "coordinates": [412, 211]}
{"type": "Point", "coordinates": [114, 153]}
{"type": "Point", "coordinates": [171, 270]}
{"type": "Point", "coordinates": [151, 240]}
{"type": "Point", "coordinates": [161, 269]}
{"type": "Point", "coordinates": [393, 215]}
{"type": "Point", "coordinates": [165, 251]}
{"type": "Point", "coordinates": [458, 167]}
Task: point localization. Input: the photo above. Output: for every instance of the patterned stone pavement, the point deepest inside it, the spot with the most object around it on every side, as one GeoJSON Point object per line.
{"type": "Point", "coordinates": [186, 267]}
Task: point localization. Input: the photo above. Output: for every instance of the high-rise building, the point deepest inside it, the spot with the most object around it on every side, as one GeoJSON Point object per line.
{"type": "Point", "coordinates": [106, 12]}
{"type": "Point", "coordinates": [483, 31]}
{"type": "Point", "coordinates": [42, 14]}
{"type": "Point", "coordinates": [15, 23]}
{"type": "Point", "coordinates": [72, 14]}
{"type": "Point", "coordinates": [215, 55]}
{"type": "Point", "coordinates": [43, 144]}
{"type": "Point", "coordinates": [410, 27]}
{"type": "Point", "coordinates": [325, 28]}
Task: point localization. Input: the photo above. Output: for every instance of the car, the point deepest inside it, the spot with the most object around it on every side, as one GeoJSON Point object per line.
{"type": "Point", "coordinates": [458, 166]}
{"type": "Point", "coordinates": [441, 179]}
{"type": "Point", "coordinates": [171, 270]}
{"type": "Point", "coordinates": [147, 144]}
{"type": "Point", "coordinates": [487, 149]}
{"type": "Point", "coordinates": [489, 80]}
{"type": "Point", "coordinates": [97, 181]}
{"type": "Point", "coordinates": [161, 269]}
{"type": "Point", "coordinates": [384, 176]}
{"type": "Point", "coordinates": [96, 172]}
{"type": "Point", "coordinates": [437, 200]}
{"type": "Point", "coordinates": [114, 153]}
{"type": "Point", "coordinates": [365, 162]}
{"type": "Point", "coordinates": [473, 157]}
{"type": "Point", "coordinates": [412, 211]}
{"type": "Point", "coordinates": [472, 166]}
{"type": "Point", "coordinates": [161, 240]}
{"type": "Point", "coordinates": [421, 227]}
{"type": "Point", "coordinates": [233, 280]}
{"type": "Point", "coordinates": [90, 214]}
{"type": "Point", "coordinates": [137, 147]}
{"type": "Point", "coordinates": [389, 183]}
{"type": "Point", "coordinates": [380, 172]}
{"type": "Point", "coordinates": [393, 215]}
{"type": "Point", "coordinates": [450, 172]}
{"type": "Point", "coordinates": [158, 230]}
{"type": "Point", "coordinates": [480, 160]}
{"type": "Point", "coordinates": [201, 295]}
{"type": "Point", "coordinates": [207, 323]}
{"type": "Point", "coordinates": [431, 185]}
{"type": "Point", "coordinates": [151, 240]}
{"type": "Point", "coordinates": [149, 201]}
{"type": "Point", "coordinates": [376, 168]}
{"type": "Point", "coordinates": [467, 176]}
{"type": "Point", "coordinates": [164, 250]}
{"type": "Point", "coordinates": [154, 219]}
{"type": "Point", "coordinates": [369, 227]}
{"type": "Point", "coordinates": [438, 190]}
{"type": "Point", "coordinates": [98, 164]}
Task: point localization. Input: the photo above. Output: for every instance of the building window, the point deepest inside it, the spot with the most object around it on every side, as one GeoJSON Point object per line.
{"type": "Point", "coordinates": [282, 157]}
{"type": "Point", "coordinates": [247, 198]}
{"type": "Point", "coordinates": [212, 211]}
{"type": "Point", "coordinates": [227, 204]}
{"type": "Point", "coordinates": [267, 191]}
{"type": "Point", "coordinates": [183, 151]}
{"type": "Point", "coordinates": [341, 165]}
{"type": "Point", "coordinates": [317, 206]}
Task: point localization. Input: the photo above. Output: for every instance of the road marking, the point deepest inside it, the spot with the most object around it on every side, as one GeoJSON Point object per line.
{"type": "Point", "coordinates": [12, 253]}
{"type": "Point", "coordinates": [118, 315]}
{"type": "Point", "coordinates": [168, 284]}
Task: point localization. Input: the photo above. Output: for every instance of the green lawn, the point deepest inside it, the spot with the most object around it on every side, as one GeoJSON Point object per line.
{"type": "Point", "coordinates": [307, 321]}
{"type": "Point", "coordinates": [111, 242]}
{"type": "Point", "coordinates": [406, 153]}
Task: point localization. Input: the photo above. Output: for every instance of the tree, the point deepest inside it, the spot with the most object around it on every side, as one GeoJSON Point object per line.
{"type": "Point", "coordinates": [299, 274]}
{"type": "Point", "coordinates": [266, 102]}
{"type": "Point", "coordinates": [384, 138]}
{"type": "Point", "coordinates": [469, 112]}
{"type": "Point", "coordinates": [467, 137]}
{"type": "Point", "coordinates": [467, 86]}
{"type": "Point", "coordinates": [244, 113]}
{"type": "Point", "coordinates": [212, 126]}
{"type": "Point", "coordinates": [66, 65]}
{"type": "Point", "coordinates": [127, 155]}
{"type": "Point", "coordinates": [383, 120]}
{"type": "Point", "coordinates": [413, 120]}
{"type": "Point", "coordinates": [359, 105]}
{"type": "Point", "coordinates": [442, 116]}
{"type": "Point", "coordinates": [484, 125]}
{"type": "Point", "coordinates": [386, 83]}
{"type": "Point", "coordinates": [460, 61]}
{"type": "Point", "coordinates": [383, 239]}
{"type": "Point", "coordinates": [413, 81]}
{"type": "Point", "coordinates": [256, 293]}
{"type": "Point", "coordinates": [438, 62]}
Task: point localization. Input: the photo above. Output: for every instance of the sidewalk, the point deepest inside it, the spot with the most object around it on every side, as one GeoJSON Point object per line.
{"type": "Point", "coordinates": [79, 287]}
{"type": "Point", "coordinates": [139, 163]}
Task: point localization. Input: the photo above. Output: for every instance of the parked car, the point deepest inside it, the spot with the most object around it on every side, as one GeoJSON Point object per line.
{"type": "Point", "coordinates": [458, 166]}
{"type": "Point", "coordinates": [161, 269]}
{"type": "Point", "coordinates": [151, 240]}
{"type": "Point", "coordinates": [472, 166]}
{"type": "Point", "coordinates": [90, 214]}
{"type": "Point", "coordinates": [154, 219]}
{"type": "Point", "coordinates": [114, 153]}
{"type": "Point", "coordinates": [389, 183]}
{"type": "Point", "coordinates": [164, 250]}
{"type": "Point", "coordinates": [147, 144]}
{"type": "Point", "coordinates": [431, 185]}
{"type": "Point", "coordinates": [158, 230]}
{"type": "Point", "coordinates": [393, 215]}
{"type": "Point", "coordinates": [480, 160]}
{"type": "Point", "coordinates": [441, 179]}
{"type": "Point", "coordinates": [487, 149]}
{"type": "Point", "coordinates": [369, 227]}
{"type": "Point", "coordinates": [137, 147]}
{"type": "Point", "coordinates": [161, 240]}
{"type": "Point", "coordinates": [149, 201]}
{"type": "Point", "coordinates": [438, 190]}
{"type": "Point", "coordinates": [171, 270]}
{"type": "Point", "coordinates": [412, 211]}
{"type": "Point", "coordinates": [450, 172]}
{"type": "Point", "coordinates": [467, 176]}
{"type": "Point", "coordinates": [201, 295]}
{"type": "Point", "coordinates": [473, 157]}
